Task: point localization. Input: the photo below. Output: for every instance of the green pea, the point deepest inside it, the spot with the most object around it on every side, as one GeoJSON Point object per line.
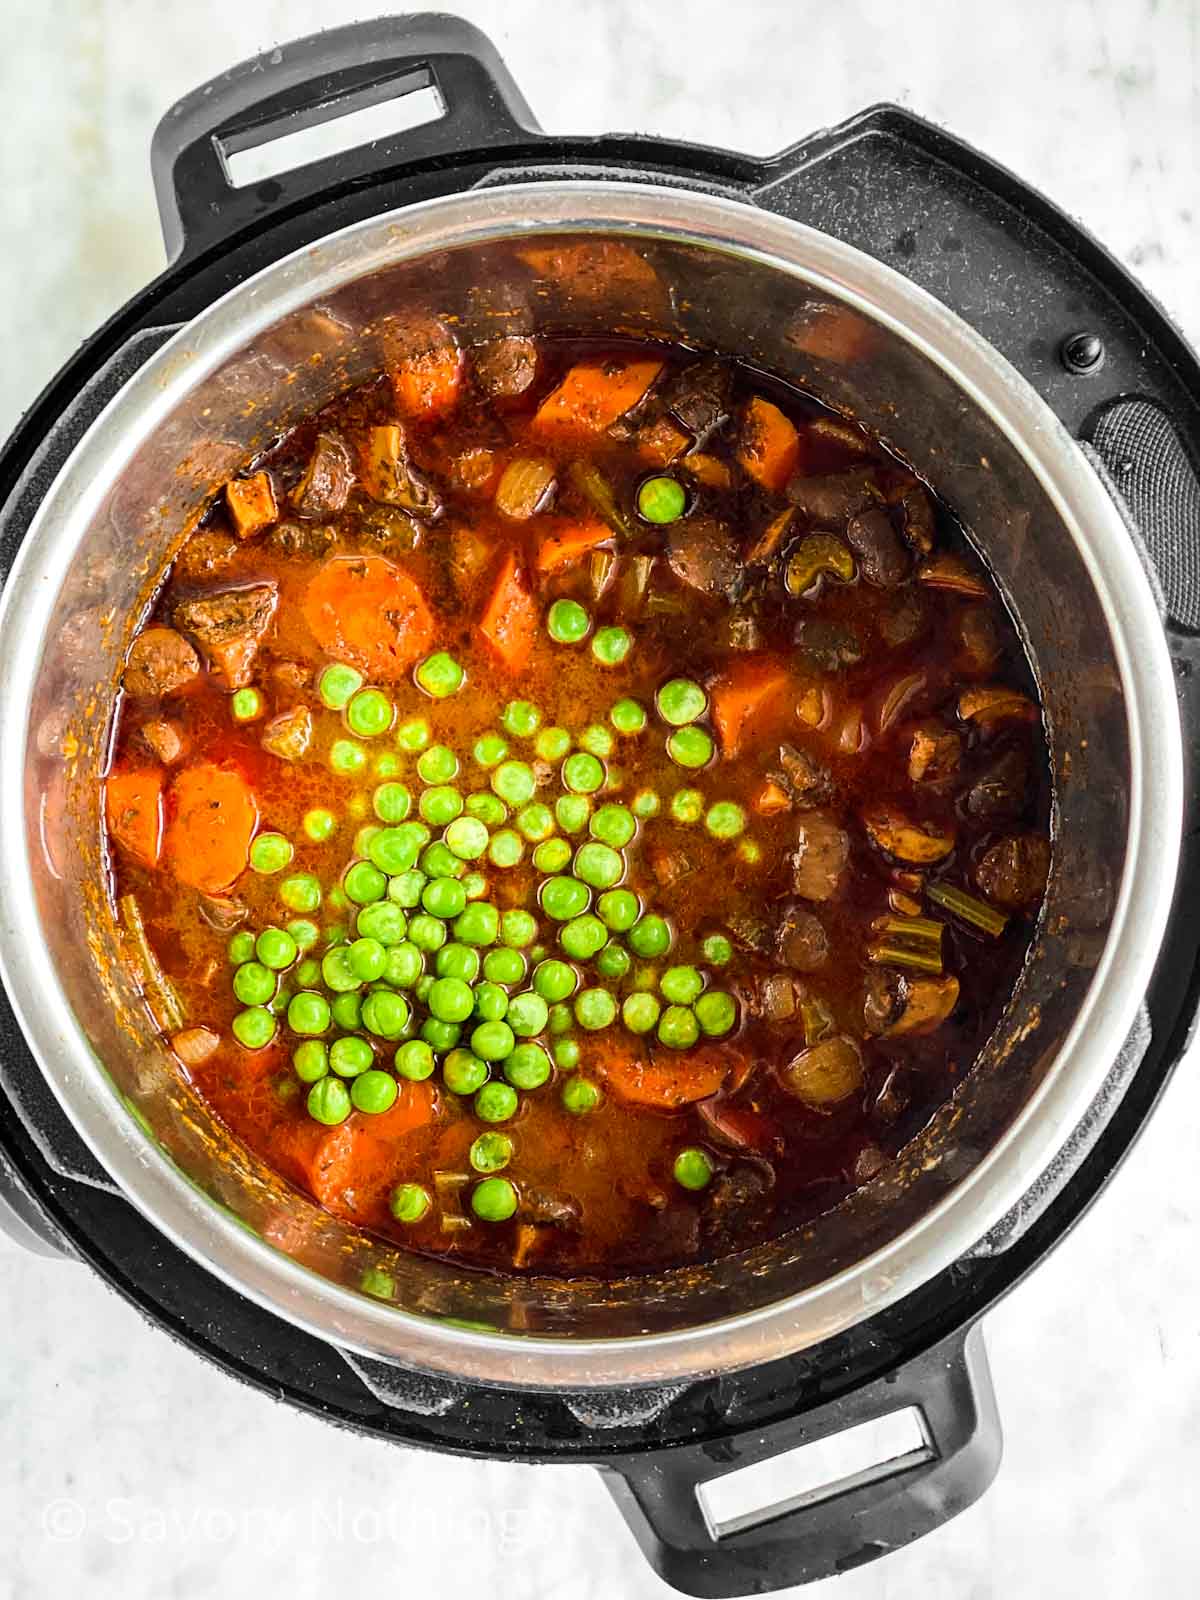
{"type": "Point", "coordinates": [478, 924]}
{"type": "Point", "coordinates": [310, 1059]}
{"type": "Point", "coordinates": [346, 1010]}
{"type": "Point", "coordinates": [308, 973]}
{"type": "Point", "coordinates": [253, 984]}
{"type": "Point", "coordinates": [566, 1054]}
{"type": "Point", "coordinates": [613, 961]}
{"type": "Point", "coordinates": [640, 1012]}
{"type": "Point", "coordinates": [564, 897]}
{"type": "Point", "coordinates": [240, 948]}
{"type": "Point", "coordinates": [379, 1283]}
{"type": "Point", "coordinates": [439, 861]}
{"type": "Point", "coordinates": [392, 802]}
{"type": "Point", "coordinates": [423, 986]}
{"type": "Point", "coordinates": [383, 921]}
{"type": "Point", "coordinates": [362, 839]}
{"type": "Point", "coordinates": [717, 950]}
{"type": "Point", "coordinates": [457, 961]}
{"type": "Point", "coordinates": [716, 1012]}
{"type": "Point", "coordinates": [467, 838]}
{"type": "Point", "coordinates": [463, 1072]}
{"type": "Point", "coordinates": [487, 808]}
{"type": "Point", "coordinates": [300, 892]}
{"type": "Point", "coordinates": [594, 1009]}
{"type": "Point", "coordinates": [491, 1152]}
{"type": "Point", "coordinates": [527, 1066]}
{"type": "Point", "coordinates": [385, 1014]}
{"type": "Point", "coordinates": [409, 1202]}
{"type": "Point", "coordinates": [681, 701]}
{"type": "Point", "coordinates": [518, 928]}
{"type": "Point", "coordinates": [491, 1002]}
{"type": "Point", "coordinates": [440, 675]}
{"type": "Point", "coordinates": [304, 932]}
{"type": "Point", "coordinates": [504, 965]}
{"type": "Point", "coordinates": [414, 734]}
{"type": "Point", "coordinates": [437, 764]}
{"type": "Point", "coordinates": [552, 744]}
{"type": "Point", "coordinates": [552, 855]}
{"type": "Point", "coordinates": [619, 909]}
{"type": "Point", "coordinates": [347, 758]}
{"type": "Point", "coordinates": [319, 824]}
{"type": "Point", "coordinates": [661, 499]}
{"type": "Point", "coordinates": [328, 1102]}
{"type": "Point", "coordinates": [650, 937]}
{"type": "Point", "coordinates": [555, 980]}
{"type": "Point", "coordinates": [535, 821]}
{"type": "Point", "coordinates": [514, 782]}
{"type": "Point", "coordinates": [475, 885]}
{"type": "Point", "coordinates": [613, 825]}
{"type": "Point", "coordinates": [572, 812]}
{"type": "Point", "coordinates": [308, 1013]}
{"type": "Point", "coordinates": [395, 849]}
{"type": "Point", "coordinates": [506, 848]}
{"type": "Point", "coordinates": [254, 1028]}
{"type": "Point", "coordinates": [725, 819]}
{"type": "Point", "coordinates": [426, 932]}
{"type": "Point", "coordinates": [335, 970]}
{"type": "Point", "coordinates": [405, 964]}
{"type": "Point", "coordinates": [521, 719]}
{"type": "Point", "coordinates": [598, 866]}
{"type": "Point", "coordinates": [440, 805]}
{"type": "Point", "coordinates": [444, 897]}
{"type": "Point", "coordinates": [350, 1055]}
{"type": "Point", "coordinates": [692, 1168]}
{"type": "Point", "coordinates": [270, 852]}
{"type": "Point", "coordinates": [367, 959]}
{"type": "Point", "coordinates": [690, 747]}
{"type": "Point", "coordinates": [582, 937]}
{"type": "Point", "coordinates": [405, 888]}
{"type": "Point", "coordinates": [597, 741]}
{"type": "Point", "coordinates": [567, 622]}
{"type": "Point", "coordinates": [364, 881]}
{"type": "Point", "coordinates": [646, 804]}
{"type": "Point", "coordinates": [246, 705]}
{"type": "Point", "coordinates": [527, 1014]}
{"type": "Point", "coordinates": [493, 1200]}
{"type": "Point", "coordinates": [681, 985]}
{"type": "Point", "coordinates": [441, 1035]}
{"type": "Point", "coordinates": [628, 717]}
{"type": "Point", "coordinates": [492, 1041]}
{"type": "Point", "coordinates": [386, 764]}
{"type": "Point", "coordinates": [490, 749]}
{"type": "Point", "coordinates": [678, 1028]}
{"type": "Point", "coordinates": [579, 1096]}
{"type": "Point", "coordinates": [687, 805]}
{"type": "Point", "coordinates": [496, 1102]}
{"type": "Point", "coordinates": [337, 685]}
{"type": "Point", "coordinates": [582, 773]}
{"type": "Point", "coordinates": [370, 713]}
{"type": "Point", "coordinates": [611, 645]}
{"type": "Point", "coordinates": [414, 1060]}
{"type": "Point", "coordinates": [561, 1019]}
{"type": "Point", "coordinates": [278, 1006]}
{"type": "Point", "coordinates": [374, 1092]}
{"type": "Point", "coordinates": [451, 1000]}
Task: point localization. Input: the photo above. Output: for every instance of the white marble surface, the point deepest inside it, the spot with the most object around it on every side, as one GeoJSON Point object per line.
{"type": "Point", "coordinates": [129, 1468]}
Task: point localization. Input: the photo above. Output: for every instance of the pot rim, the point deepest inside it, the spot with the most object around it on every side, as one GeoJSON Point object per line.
{"type": "Point", "coordinates": [965, 1213]}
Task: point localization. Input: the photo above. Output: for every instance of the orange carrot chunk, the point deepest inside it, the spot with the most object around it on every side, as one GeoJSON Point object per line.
{"type": "Point", "coordinates": [427, 384]}
{"type": "Point", "coordinates": [569, 544]}
{"type": "Point", "coordinates": [509, 621]}
{"type": "Point", "coordinates": [354, 1164]}
{"type": "Point", "coordinates": [593, 395]}
{"type": "Point", "coordinates": [743, 696]}
{"type": "Point", "coordinates": [640, 1076]}
{"type": "Point", "coordinates": [134, 807]}
{"type": "Point", "coordinates": [213, 818]}
{"type": "Point", "coordinates": [769, 446]}
{"type": "Point", "coordinates": [364, 610]}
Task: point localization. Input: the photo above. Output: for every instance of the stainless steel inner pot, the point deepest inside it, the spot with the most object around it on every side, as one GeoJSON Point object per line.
{"type": "Point", "coordinates": [721, 275]}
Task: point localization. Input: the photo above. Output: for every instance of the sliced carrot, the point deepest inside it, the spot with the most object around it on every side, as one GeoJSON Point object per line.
{"type": "Point", "coordinates": [134, 807]}
{"type": "Point", "coordinates": [593, 395]}
{"type": "Point", "coordinates": [213, 818]}
{"type": "Point", "coordinates": [251, 503]}
{"type": "Point", "coordinates": [641, 1075]}
{"type": "Point", "coordinates": [745, 694]}
{"type": "Point", "coordinates": [365, 610]}
{"type": "Point", "coordinates": [708, 470]}
{"type": "Point", "coordinates": [661, 442]}
{"type": "Point", "coordinates": [596, 270]}
{"type": "Point", "coordinates": [772, 797]}
{"type": "Point", "coordinates": [509, 622]}
{"type": "Point", "coordinates": [427, 384]}
{"type": "Point", "coordinates": [769, 446]}
{"type": "Point", "coordinates": [569, 543]}
{"type": "Point", "coordinates": [355, 1162]}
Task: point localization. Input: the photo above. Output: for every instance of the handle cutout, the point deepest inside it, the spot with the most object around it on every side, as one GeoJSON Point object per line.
{"type": "Point", "coordinates": [825, 1468]}
{"type": "Point", "coordinates": [380, 111]}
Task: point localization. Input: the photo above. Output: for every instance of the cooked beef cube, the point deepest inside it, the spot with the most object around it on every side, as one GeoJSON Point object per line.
{"type": "Point", "coordinates": [539, 1205]}
{"type": "Point", "coordinates": [505, 367]}
{"type": "Point", "coordinates": [290, 677]}
{"type": "Point", "coordinates": [882, 559]}
{"type": "Point", "coordinates": [203, 555]}
{"type": "Point", "coordinates": [229, 626]}
{"type": "Point", "coordinates": [903, 620]}
{"type": "Point", "coordinates": [160, 662]}
{"type": "Point", "coordinates": [251, 504]}
{"type": "Point", "coordinates": [831, 502]}
{"type": "Point", "coordinates": [1013, 872]}
{"type": "Point", "coordinates": [389, 476]}
{"type": "Point", "coordinates": [672, 1235]}
{"type": "Point", "coordinates": [735, 1204]}
{"type": "Point", "coordinates": [703, 553]}
{"type": "Point", "coordinates": [164, 739]}
{"type": "Point", "coordinates": [807, 781]}
{"type": "Point", "coordinates": [700, 399]}
{"type": "Point", "coordinates": [1001, 788]}
{"type": "Point", "coordinates": [325, 486]}
{"type": "Point", "coordinates": [934, 753]}
{"type": "Point", "coordinates": [869, 1163]}
{"type": "Point", "coordinates": [801, 940]}
{"type": "Point", "coordinates": [289, 735]}
{"type": "Point", "coordinates": [769, 542]}
{"type": "Point", "coordinates": [826, 645]}
{"type": "Point", "coordinates": [822, 851]}
{"type": "Point", "coordinates": [221, 912]}
{"type": "Point", "coordinates": [307, 541]}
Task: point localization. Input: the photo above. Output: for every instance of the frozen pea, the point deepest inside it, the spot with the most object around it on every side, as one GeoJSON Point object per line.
{"type": "Point", "coordinates": [597, 740]}
{"type": "Point", "coordinates": [628, 717]}
{"type": "Point", "coordinates": [552, 744]}
{"type": "Point", "coordinates": [346, 757]}
{"type": "Point", "coordinates": [486, 808]}
{"type": "Point", "coordinates": [440, 675]}
{"type": "Point", "coordinates": [582, 773]}
{"type": "Point", "coordinates": [521, 719]}
{"type": "Point", "coordinates": [369, 713]}
{"type": "Point", "coordinates": [572, 811]}
{"type": "Point", "coordinates": [690, 747]}
{"type": "Point", "coordinates": [490, 749]}
{"type": "Point", "coordinates": [337, 685]}
{"type": "Point", "coordinates": [392, 802]}
{"type": "Point", "coordinates": [567, 622]}
{"type": "Point", "coordinates": [594, 1009]}
{"type": "Point", "coordinates": [506, 848]}
{"type": "Point", "coordinates": [681, 701]}
{"type": "Point", "coordinates": [611, 645]}
{"type": "Point", "coordinates": [687, 805]}
{"type": "Point", "coordinates": [552, 855]}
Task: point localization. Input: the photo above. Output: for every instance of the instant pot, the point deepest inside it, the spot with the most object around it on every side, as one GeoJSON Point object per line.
{"type": "Point", "coordinates": [904, 279]}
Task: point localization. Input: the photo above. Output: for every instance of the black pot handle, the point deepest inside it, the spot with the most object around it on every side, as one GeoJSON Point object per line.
{"type": "Point", "coordinates": [312, 81]}
{"type": "Point", "coordinates": [841, 1525]}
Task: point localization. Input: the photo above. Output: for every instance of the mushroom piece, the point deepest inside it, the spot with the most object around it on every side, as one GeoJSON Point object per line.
{"type": "Point", "coordinates": [801, 941]}
{"type": "Point", "coordinates": [1013, 872]}
{"type": "Point", "coordinates": [807, 782]}
{"type": "Point", "coordinates": [824, 1074]}
{"type": "Point", "coordinates": [902, 619]}
{"type": "Point", "coordinates": [304, 541]}
{"type": "Point", "coordinates": [919, 525]}
{"type": "Point", "coordinates": [703, 553]}
{"type": "Point", "coordinates": [882, 558]}
{"type": "Point", "coordinates": [326, 484]}
{"type": "Point", "coordinates": [896, 1005]}
{"type": "Point", "coordinates": [995, 703]}
{"type": "Point", "coordinates": [1000, 789]}
{"type": "Point", "coordinates": [735, 1204]}
{"type": "Point", "coordinates": [827, 645]}
{"type": "Point", "coordinates": [934, 753]}
{"type": "Point", "coordinates": [388, 475]}
{"type": "Point", "coordinates": [700, 399]}
{"type": "Point", "coordinates": [949, 572]}
{"type": "Point", "coordinates": [819, 861]}
{"type": "Point", "coordinates": [505, 367]}
{"type": "Point", "coordinates": [221, 911]}
{"type": "Point", "coordinates": [775, 997]}
{"type": "Point", "coordinates": [389, 529]}
{"type": "Point", "coordinates": [918, 843]}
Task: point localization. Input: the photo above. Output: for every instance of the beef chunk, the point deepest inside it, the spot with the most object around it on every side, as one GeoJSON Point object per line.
{"type": "Point", "coordinates": [289, 735]}
{"type": "Point", "coordinates": [325, 486]}
{"type": "Point", "coordinates": [1000, 789]}
{"type": "Point", "coordinates": [736, 1204]}
{"type": "Point", "coordinates": [830, 502]}
{"type": "Point", "coordinates": [389, 476]}
{"type": "Point", "coordinates": [203, 555]}
{"type": "Point", "coordinates": [806, 780]}
{"type": "Point", "coordinates": [505, 367]}
{"type": "Point", "coordinates": [933, 753]}
{"type": "Point", "coordinates": [160, 662]}
{"type": "Point", "coordinates": [882, 559]}
{"type": "Point", "coordinates": [703, 553]}
{"type": "Point", "coordinates": [819, 862]}
{"type": "Point", "coordinates": [801, 941]}
{"type": "Point", "coordinates": [163, 739]}
{"type": "Point", "coordinates": [903, 620]}
{"type": "Point", "coordinates": [306, 541]}
{"type": "Point", "coordinates": [229, 626]}
{"type": "Point", "coordinates": [290, 677]}
{"type": "Point", "coordinates": [1013, 872]}
{"type": "Point", "coordinates": [700, 399]}
{"type": "Point", "coordinates": [827, 645]}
